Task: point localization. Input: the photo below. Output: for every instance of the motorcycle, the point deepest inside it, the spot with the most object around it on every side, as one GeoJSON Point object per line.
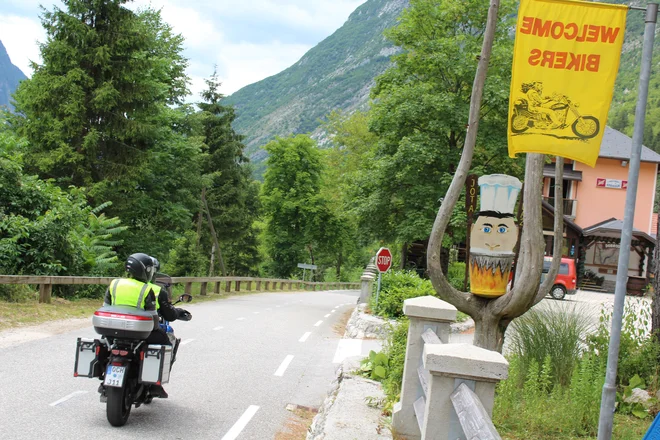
{"type": "Point", "coordinates": [131, 370]}
{"type": "Point", "coordinates": [584, 127]}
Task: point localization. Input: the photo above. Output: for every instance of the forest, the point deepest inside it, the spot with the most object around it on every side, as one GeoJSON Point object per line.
{"type": "Point", "coordinates": [103, 157]}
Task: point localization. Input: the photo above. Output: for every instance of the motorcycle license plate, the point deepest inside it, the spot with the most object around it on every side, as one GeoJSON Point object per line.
{"type": "Point", "coordinates": [114, 376]}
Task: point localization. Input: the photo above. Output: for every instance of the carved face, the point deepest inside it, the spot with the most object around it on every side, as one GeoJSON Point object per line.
{"type": "Point", "coordinates": [494, 234]}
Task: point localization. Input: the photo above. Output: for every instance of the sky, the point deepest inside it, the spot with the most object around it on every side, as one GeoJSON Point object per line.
{"type": "Point", "coordinates": [248, 40]}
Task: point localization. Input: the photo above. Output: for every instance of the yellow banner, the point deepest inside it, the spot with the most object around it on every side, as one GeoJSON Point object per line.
{"type": "Point", "coordinates": [565, 60]}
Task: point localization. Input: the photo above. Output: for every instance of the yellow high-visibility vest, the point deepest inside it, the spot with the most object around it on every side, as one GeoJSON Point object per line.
{"type": "Point", "coordinates": [130, 292]}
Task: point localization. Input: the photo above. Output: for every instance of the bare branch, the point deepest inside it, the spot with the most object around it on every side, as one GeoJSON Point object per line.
{"type": "Point", "coordinates": [528, 273]}
{"type": "Point", "coordinates": [463, 301]}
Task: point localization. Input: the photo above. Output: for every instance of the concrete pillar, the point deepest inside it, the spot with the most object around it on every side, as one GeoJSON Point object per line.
{"type": "Point", "coordinates": [424, 312]}
{"type": "Point", "coordinates": [449, 366]}
{"type": "Point", "coordinates": [365, 291]}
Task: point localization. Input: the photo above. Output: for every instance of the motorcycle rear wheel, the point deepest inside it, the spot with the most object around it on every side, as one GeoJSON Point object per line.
{"type": "Point", "coordinates": [118, 406]}
{"type": "Point", "coordinates": [519, 123]}
{"type": "Point", "coordinates": [586, 127]}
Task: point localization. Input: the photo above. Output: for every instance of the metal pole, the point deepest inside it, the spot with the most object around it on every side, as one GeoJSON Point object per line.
{"type": "Point", "coordinates": [378, 288]}
{"type": "Point", "coordinates": [609, 389]}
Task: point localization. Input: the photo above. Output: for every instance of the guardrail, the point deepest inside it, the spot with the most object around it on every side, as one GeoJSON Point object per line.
{"type": "Point", "coordinates": [448, 390]}
{"type": "Point", "coordinates": [267, 284]}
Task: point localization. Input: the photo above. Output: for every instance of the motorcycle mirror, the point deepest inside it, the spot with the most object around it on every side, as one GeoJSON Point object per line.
{"type": "Point", "coordinates": [186, 297]}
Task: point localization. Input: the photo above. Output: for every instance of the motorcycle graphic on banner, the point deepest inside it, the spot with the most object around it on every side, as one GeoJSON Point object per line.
{"type": "Point", "coordinates": [554, 115]}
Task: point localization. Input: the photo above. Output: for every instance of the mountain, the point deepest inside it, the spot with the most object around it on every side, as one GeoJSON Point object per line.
{"type": "Point", "coordinates": [335, 74]}
{"type": "Point", "coordinates": [10, 76]}
{"type": "Point", "coordinates": [622, 110]}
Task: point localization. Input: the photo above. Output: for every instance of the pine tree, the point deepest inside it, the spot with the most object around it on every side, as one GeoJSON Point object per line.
{"type": "Point", "coordinates": [232, 196]}
{"type": "Point", "coordinates": [91, 110]}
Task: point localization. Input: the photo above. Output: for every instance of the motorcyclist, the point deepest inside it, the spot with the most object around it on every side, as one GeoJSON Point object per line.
{"type": "Point", "coordinates": [138, 291]}
{"type": "Point", "coordinates": [537, 103]}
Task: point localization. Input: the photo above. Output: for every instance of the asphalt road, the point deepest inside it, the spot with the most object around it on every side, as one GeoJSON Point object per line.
{"type": "Point", "coordinates": [242, 360]}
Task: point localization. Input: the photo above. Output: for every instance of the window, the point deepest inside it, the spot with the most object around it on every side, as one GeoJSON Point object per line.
{"type": "Point", "coordinates": [563, 267]}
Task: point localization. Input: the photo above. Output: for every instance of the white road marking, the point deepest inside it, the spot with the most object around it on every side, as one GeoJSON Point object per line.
{"type": "Point", "coordinates": [332, 311]}
{"type": "Point", "coordinates": [218, 328]}
{"type": "Point", "coordinates": [65, 398]}
{"type": "Point", "coordinates": [256, 313]}
{"type": "Point", "coordinates": [235, 430]}
{"type": "Point", "coordinates": [285, 363]}
{"type": "Point", "coordinates": [347, 348]}
{"type": "Point", "coordinates": [187, 341]}
{"type": "Point", "coordinates": [318, 323]}
{"type": "Point", "coordinates": [240, 319]}
{"type": "Point", "coordinates": [327, 315]}
{"type": "Point", "coordinates": [304, 337]}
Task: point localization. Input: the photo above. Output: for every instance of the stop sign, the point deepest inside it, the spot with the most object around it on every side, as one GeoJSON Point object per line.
{"type": "Point", "coordinates": [383, 259]}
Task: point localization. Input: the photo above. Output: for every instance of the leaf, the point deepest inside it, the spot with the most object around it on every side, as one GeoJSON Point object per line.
{"type": "Point", "coordinates": [640, 413]}
{"type": "Point", "coordinates": [380, 372]}
{"type": "Point", "coordinates": [381, 359]}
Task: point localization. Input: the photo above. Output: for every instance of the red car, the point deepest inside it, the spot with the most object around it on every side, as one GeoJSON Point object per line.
{"type": "Point", "coordinates": [566, 281]}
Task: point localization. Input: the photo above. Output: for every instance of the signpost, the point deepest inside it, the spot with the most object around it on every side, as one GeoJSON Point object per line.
{"type": "Point", "coordinates": [471, 193]}
{"type": "Point", "coordinates": [305, 266]}
{"type": "Point", "coordinates": [383, 263]}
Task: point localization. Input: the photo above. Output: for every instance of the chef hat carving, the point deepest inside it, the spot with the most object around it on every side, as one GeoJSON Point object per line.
{"type": "Point", "coordinates": [499, 192]}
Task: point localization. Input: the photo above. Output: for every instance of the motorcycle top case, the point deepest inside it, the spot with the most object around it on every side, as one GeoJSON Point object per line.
{"type": "Point", "coordinates": [90, 356]}
{"type": "Point", "coordinates": [155, 366]}
{"type": "Point", "coordinates": [124, 322]}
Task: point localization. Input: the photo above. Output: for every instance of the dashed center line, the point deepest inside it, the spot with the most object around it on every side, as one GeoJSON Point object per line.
{"type": "Point", "coordinates": [67, 397]}
{"type": "Point", "coordinates": [327, 315]}
{"type": "Point", "coordinates": [187, 341]}
{"type": "Point", "coordinates": [284, 365]}
{"type": "Point", "coordinates": [318, 323]}
{"type": "Point", "coordinates": [256, 313]}
{"type": "Point", "coordinates": [241, 423]}
{"type": "Point", "coordinates": [304, 337]}
{"type": "Point", "coordinates": [332, 311]}
{"type": "Point", "coordinates": [218, 328]}
{"type": "Point", "coordinates": [240, 319]}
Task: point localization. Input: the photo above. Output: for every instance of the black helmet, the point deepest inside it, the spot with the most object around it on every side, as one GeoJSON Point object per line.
{"type": "Point", "coordinates": [141, 267]}
{"type": "Point", "coordinates": [156, 264]}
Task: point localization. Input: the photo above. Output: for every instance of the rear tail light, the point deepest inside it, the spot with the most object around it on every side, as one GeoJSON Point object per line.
{"type": "Point", "coordinates": [119, 352]}
{"type": "Point", "coordinates": [122, 316]}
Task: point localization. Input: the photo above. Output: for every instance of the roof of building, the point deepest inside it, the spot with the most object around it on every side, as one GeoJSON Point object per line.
{"type": "Point", "coordinates": [616, 145]}
{"type": "Point", "coordinates": [615, 226]}
{"type": "Point", "coordinates": [567, 221]}
{"type": "Point", "coordinates": [569, 172]}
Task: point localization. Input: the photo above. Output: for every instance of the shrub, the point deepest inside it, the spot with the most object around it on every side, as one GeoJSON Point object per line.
{"type": "Point", "coordinates": [543, 333]}
{"type": "Point", "coordinates": [638, 351]}
{"type": "Point", "coordinates": [456, 275]}
{"type": "Point", "coordinates": [528, 402]}
{"type": "Point", "coordinates": [395, 350]}
{"type": "Point", "coordinates": [396, 287]}
{"type": "Point", "coordinates": [17, 293]}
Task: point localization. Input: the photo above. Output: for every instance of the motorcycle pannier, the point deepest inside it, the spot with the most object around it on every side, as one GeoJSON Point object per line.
{"type": "Point", "coordinates": [124, 322]}
{"type": "Point", "coordinates": [90, 355]}
{"type": "Point", "coordinates": [156, 363]}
